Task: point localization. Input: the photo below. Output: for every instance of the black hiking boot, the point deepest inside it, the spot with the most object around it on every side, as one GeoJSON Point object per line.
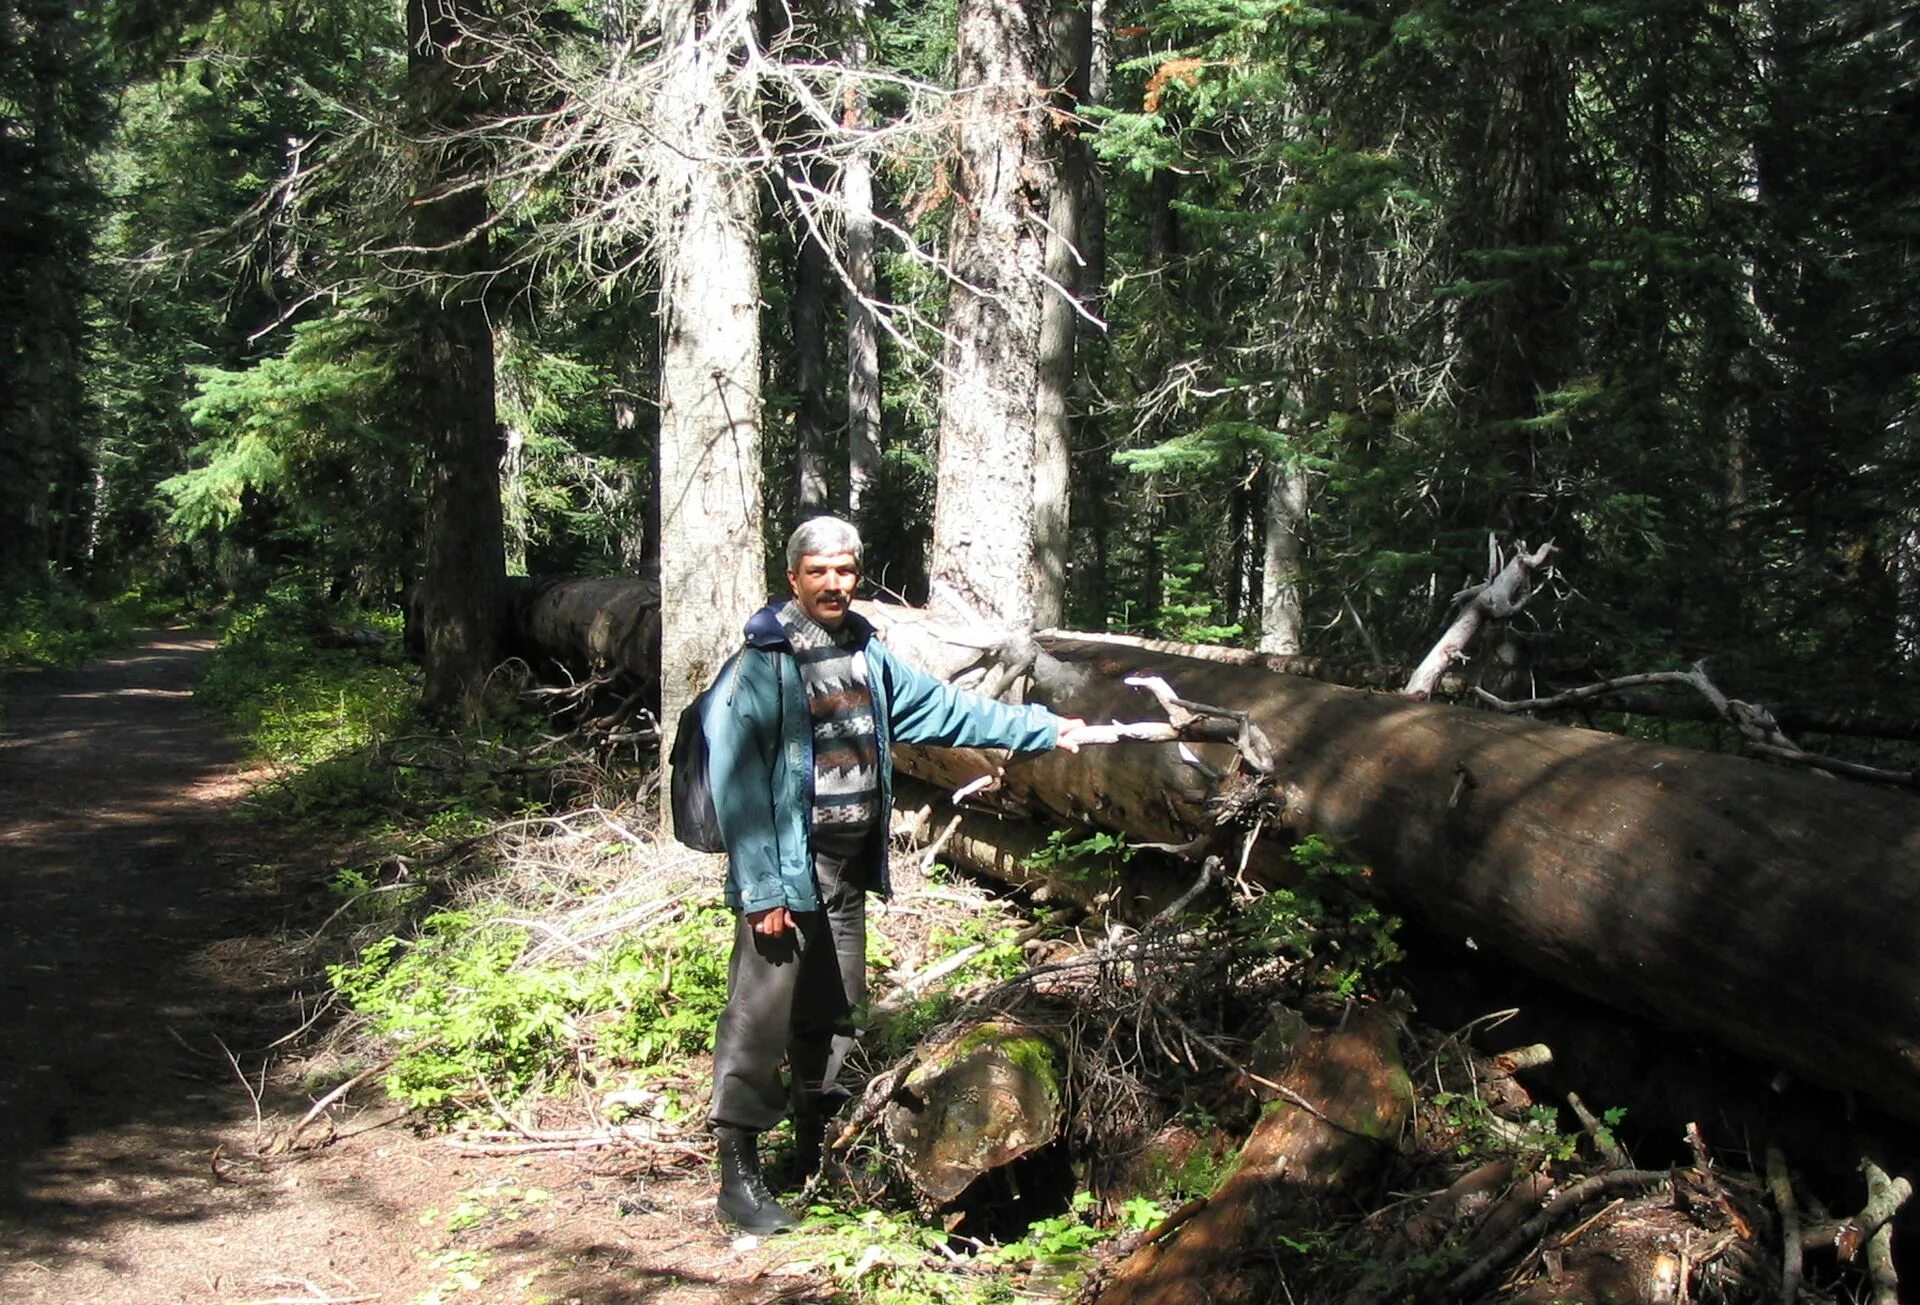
{"type": "Point", "coordinates": [744, 1200]}
{"type": "Point", "coordinates": [812, 1113]}
{"type": "Point", "coordinates": [809, 1140]}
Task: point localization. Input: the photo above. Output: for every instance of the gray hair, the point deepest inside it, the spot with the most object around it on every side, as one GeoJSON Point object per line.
{"type": "Point", "coordinates": [823, 536]}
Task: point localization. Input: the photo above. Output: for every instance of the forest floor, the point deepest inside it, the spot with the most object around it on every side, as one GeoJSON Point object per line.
{"type": "Point", "coordinates": [145, 1008]}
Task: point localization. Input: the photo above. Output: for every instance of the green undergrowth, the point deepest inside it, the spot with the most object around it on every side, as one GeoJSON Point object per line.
{"type": "Point", "coordinates": [62, 628]}
{"type": "Point", "coordinates": [476, 1019]}
{"type": "Point", "coordinates": [300, 705]}
{"type": "Point", "coordinates": [434, 930]}
{"type": "Point", "coordinates": [880, 1257]}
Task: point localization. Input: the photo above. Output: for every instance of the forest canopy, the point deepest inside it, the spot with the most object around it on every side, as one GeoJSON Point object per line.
{"type": "Point", "coordinates": [1288, 307]}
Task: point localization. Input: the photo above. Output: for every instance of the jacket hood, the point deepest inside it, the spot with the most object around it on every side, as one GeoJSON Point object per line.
{"type": "Point", "coordinates": [765, 631]}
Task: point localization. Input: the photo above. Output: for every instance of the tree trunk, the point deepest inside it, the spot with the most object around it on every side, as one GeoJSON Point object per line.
{"type": "Point", "coordinates": [984, 524]}
{"type": "Point", "coordinates": [591, 626]}
{"type": "Point", "coordinates": [863, 332]}
{"type": "Point", "coordinates": [463, 577]}
{"type": "Point", "coordinates": [1072, 48]}
{"type": "Point", "coordinates": [1282, 618]}
{"type": "Point", "coordinates": [712, 568]}
{"type": "Point", "coordinates": [1766, 907]}
{"type": "Point", "coordinates": [516, 500]}
{"type": "Point", "coordinates": [975, 1102]}
{"type": "Point", "coordinates": [1093, 480]}
{"type": "Point", "coordinates": [811, 277]}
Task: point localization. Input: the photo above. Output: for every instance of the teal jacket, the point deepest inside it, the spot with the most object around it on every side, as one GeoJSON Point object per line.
{"type": "Point", "coordinates": [760, 754]}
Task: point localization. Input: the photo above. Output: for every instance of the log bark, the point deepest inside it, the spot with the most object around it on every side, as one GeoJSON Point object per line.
{"type": "Point", "coordinates": [1769, 909]}
{"type": "Point", "coordinates": [1349, 1099]}
{"type": "Point", "coordinates": [708, 474]}
{"type": "Point", "coordinates": [591, 626]}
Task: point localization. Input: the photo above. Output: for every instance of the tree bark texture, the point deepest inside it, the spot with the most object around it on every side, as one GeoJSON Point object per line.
{"type": "Point", "coordinates": [1282, 607]}
{"type": "Point", "coordinates": [591, 626]}
{"type": "Point", "coordinates": [712, 571]}
{"type": "Point", "coordinates": [1072, 51]}
{"type": "Point", "coordinates": [811, 279]}
{"type": "Point", "coordinates": [451, 377]}
{"type": "Point", "coordinates": [1771, 909]}
{"type": "Point", "coordinates": [979, 1100]}
{"type": "Point", "coordinates": [1012, 850]}
{"type": "Point", "coordinates": [984, 522]}
{"type": "Point", "coordinates": [863, 331]}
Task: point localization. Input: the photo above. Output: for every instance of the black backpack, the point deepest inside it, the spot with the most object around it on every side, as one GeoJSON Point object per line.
{"type": "Point", "coordinates": [695, 822]}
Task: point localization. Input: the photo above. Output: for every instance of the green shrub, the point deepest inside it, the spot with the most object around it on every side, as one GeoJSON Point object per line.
{"type": "Point", "coordinates": [59, 629]}
{"type": "Point", "coordinates": [470, 1019]}
{"type": "Point", "coordinates": [1352, 938]}
{"type": "Point", "coordinates": [300, 705]}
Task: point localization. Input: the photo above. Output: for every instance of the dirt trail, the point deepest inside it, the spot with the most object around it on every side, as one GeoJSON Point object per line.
{"type": "Point", "coordinates": [135, 930]}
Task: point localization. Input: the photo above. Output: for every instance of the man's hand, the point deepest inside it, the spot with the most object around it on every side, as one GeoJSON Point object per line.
{"type": "Point", "coordinates": [772, 922]}
{"type": "Point", "coordinates": [1067, 732]}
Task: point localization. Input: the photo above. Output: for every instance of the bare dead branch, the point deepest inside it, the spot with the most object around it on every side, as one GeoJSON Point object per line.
{"type": "Point", "coordinates": [1756, 724]}
{"type": "Point", "coordinates": [1503, 595]}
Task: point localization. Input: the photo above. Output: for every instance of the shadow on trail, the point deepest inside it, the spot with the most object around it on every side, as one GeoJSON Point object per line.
{"type": "Point", "coordinates": [124, 896]}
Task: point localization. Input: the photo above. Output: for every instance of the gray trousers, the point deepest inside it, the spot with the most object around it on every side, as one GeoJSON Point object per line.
{"type": "Point", "coordinates": [792, 998]}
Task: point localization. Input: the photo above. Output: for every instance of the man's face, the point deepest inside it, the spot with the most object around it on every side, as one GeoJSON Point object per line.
{"type": "Point", "coordinates": [823, 583]}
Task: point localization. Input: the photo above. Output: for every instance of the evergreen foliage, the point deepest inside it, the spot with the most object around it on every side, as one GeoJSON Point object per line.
{"type": "Point", "coordinates": [1630, 275]}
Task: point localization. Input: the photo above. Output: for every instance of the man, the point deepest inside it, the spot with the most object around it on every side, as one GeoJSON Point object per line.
{"type": "Point", "coordinates": [798, 740]}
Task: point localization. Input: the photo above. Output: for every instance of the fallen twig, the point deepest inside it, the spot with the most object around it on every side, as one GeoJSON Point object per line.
{"type": "Point", "coordinates": [1883, 1191]}
{"type": "Point", "coordinates": [1602, 1137]}
{"type": "Point", "coordinates": [285, 1141]}
{"type": "Point", "coordinates": [1845, 1237]}
{"type": "Point", "coordinates": [913, 983]}
{"type": "Point", "coordinates": [524, 1141]}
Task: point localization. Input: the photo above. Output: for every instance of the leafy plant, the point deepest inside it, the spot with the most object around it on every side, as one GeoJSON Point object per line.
{"type": "Point", "coordinates": [1065, 847]}
{"type": "Point", "coordinates": [298, 704]}
{"type": "Point", "coordinates": [59, 628]}
{"type": "Point", "coordinates": [884, 1258]}
{"type": "Point", "coordinates": [1350, 939]}
{"type": "Point", "coordinates": [471, 1020]}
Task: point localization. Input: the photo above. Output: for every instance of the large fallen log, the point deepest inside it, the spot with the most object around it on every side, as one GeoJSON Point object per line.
{"type": "Point", "coordinates": [1767, 908]}
{"type": "Point", "coordinates": [591, 625]}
